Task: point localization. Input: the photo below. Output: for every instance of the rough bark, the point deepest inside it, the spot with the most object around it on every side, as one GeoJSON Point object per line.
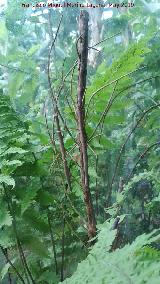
{"type": "Point", "coordinates": [82, 137]}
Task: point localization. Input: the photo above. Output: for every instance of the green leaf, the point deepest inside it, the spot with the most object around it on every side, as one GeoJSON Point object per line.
{"type": "Point", "coordinates": [7, 180]}
{"type": "Point", "coordinates": [30, 195]}
{"type": "Point", "coordinates": [5, 217]}
{"type": "Point", "coordinates": [35, 245]}
{"type": "Point", "coordinates": [33, 49]}
{"type": "Point", "coordinates": [13, 150]}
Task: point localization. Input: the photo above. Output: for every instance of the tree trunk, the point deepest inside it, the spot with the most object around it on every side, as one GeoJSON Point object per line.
{"type": "Point", "coordinates": [82, 138]}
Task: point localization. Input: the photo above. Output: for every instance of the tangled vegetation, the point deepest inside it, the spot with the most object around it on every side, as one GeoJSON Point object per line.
{"type": "Point", "coordinates": [79, 144]}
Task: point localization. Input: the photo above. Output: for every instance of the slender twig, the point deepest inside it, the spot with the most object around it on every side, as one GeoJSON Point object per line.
{"type": "Point", "coordinates": [66, 127]}
{"type": "Point", "coordinates": [56, 112]}
{"type": "Point", "coordinates": [110, 83]}
{"type": "Point", "coordinates": [71, 89]}
{"type": "Point", "coordinates": [70, 107]}
{"type": "Point", "coordinates": [105, 111]}
{"type": "Point", "coordinates": [142, 155]}
{"type": "Point", "coordinates": [65, 77]}
{"type": "Point", "coordinates": [112, 99]}
{"type": "Point", "coordinates": [127, 138]}
{"type": "Point", "coordinates": [123, 90]}
{"type": "Point", "coordinates": [101, 41]}
{"type": "Point", "coordinates": [62, 75]}
{"type": "Point", "coordinates": [73, 231]}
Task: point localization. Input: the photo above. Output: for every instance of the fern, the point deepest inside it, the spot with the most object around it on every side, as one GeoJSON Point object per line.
{"type": "Point", "coordinates": [5, 217]}
{"type": "Point", "coordinates": [123, 266]}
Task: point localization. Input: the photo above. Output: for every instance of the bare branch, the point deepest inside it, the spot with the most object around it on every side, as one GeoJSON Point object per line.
{"type": "Point", "coordinates": [142, 155]}
{"type": "Point", "coordinates": [106, 39]}
{"type": "Point", "coordinates": [127, 138]}
{"type": "Point", "coordinates": [110, 83]}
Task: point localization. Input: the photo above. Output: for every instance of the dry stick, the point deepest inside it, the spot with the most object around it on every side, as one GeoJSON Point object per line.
{"type": "Point", "coordinates": [141, 157]}
{"type": "Point", "coordinates": [110, 83]}
{"type": "Point", "coordinates": [82, 70]}
{"type": "Point", "coordinates": [127, 138]}
{"type": "Point", "coordinates": [56, 114]}
{"type": "Point", "coordinates": [12, 265]}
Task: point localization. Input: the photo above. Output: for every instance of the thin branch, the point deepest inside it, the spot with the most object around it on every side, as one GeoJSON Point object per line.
{"type": "Point", "coordinates": [112, 99]}
{"type": "Point", "coordinates": [104, 40]}
{"type": "Point", "coordinates": [110, 83]}
{"type": "Point", "coordinates": [105, 111]}
{"type": "Point", "coordinates": [73, 231]}
{"type": "Point", "coordinates": [57, 113]}
{"type": "Point", "coordinates": [65, 77]}
{"type": "Point", "coordinates": [142, 155]}
{"type": "Point", "coordinates": [71, 89]}
{"type": "Point", "coordinates": [127, 138]}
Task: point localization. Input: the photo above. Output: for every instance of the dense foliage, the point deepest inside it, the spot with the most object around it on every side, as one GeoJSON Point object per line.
{"type": "Point", "coordinates": [44, 227]}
